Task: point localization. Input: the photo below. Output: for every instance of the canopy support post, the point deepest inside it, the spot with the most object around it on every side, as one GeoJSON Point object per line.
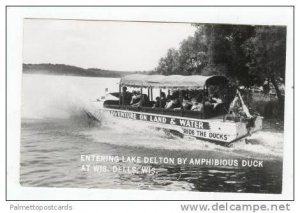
{"type": "Point", "coordinates": [181, 101]}
{"type": "Point", "coordinates": [160, 98]}
{"type": "Point", "coordinates": [120, 96]}
{"type": "Point", "coordinates": [203, 101]}
{"type": "Point", "coordinates": [228, 99]}
{"type": "Point", "coordinates": [123, 98]}
{"type": "Point", "coordinates": [151, 92]}
{"type": "Point", "coordinates": [142, 97]}
{"type": "Point", "coordinates": [180, 96]}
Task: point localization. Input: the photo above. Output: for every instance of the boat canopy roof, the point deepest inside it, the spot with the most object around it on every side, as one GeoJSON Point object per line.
{"type": "Point", "coordinates": [172, 81]}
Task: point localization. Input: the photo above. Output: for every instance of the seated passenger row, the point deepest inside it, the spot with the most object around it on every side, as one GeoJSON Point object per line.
{"type": "Point", "coordinates": [195, 103]}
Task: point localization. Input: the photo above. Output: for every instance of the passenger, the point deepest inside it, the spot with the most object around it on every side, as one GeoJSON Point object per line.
{"type": "Point", "coordinates": [216, 100]}
{"type": "Point", "coordinates": [140, 100]}
{"type": "Point", "coordinates": [136, 97]}
{"type": "Point", "coordinates": [174, 103]}
{"type": "Point", "coordinates": [177, 105]}
{"type": "Point", "coordinates": [125, 96]}
{"type": "Point", "coordinates": [163, 99]}
{"type": "Point", "coordinates": [209, 104]}
{"type": "Point", "coordinates": [169, 104]}
{"type": "Point", "coordinates": [168, 99]}
{"type": "Point", "coordinates": [197, 95]}
{"type": "Point", "coordinates": [211, 99]}
{"type": "Point", "coordinates": [197, 106]}
{"type": "Point", "coordinates": [157, 103]}
{"type": "Point", "coordinates": [186, 103]}
{"type": "Point", "coordinates": [145, 100]}
{"type": "Point", "coordinates": [175, 93]}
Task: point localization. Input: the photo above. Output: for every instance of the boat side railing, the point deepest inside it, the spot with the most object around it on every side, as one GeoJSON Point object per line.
{"type": "Point", "coordinates": [209, 113]}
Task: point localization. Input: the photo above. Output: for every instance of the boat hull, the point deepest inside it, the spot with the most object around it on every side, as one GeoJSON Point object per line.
{"type": "Point", "coordinates": [214, 129]}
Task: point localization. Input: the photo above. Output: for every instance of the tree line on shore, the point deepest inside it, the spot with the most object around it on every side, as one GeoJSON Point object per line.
{"type": "Point", "coordinates": [247, 55]}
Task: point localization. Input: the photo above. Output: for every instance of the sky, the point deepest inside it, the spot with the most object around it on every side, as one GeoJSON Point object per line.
{"type": "Point", "coordinates": [111, 45]}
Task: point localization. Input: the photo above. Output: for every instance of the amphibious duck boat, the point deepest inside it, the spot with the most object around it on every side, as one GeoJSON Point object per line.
{"type": "Point", "coordinates": [224, 120]}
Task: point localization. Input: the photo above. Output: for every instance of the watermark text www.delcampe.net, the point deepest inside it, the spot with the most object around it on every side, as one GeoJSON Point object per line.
{"type": "Point", "coordinates": [234, 207]}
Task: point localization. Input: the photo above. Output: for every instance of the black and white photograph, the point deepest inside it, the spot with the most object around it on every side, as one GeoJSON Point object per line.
{"type": "Point", "coordinates": [143, 105]}
{"type": "Point", "coordinates": [150, 103]}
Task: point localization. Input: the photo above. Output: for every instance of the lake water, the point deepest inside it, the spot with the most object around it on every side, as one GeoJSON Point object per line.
{"type": "Point", "coordinates": [56, 133]}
